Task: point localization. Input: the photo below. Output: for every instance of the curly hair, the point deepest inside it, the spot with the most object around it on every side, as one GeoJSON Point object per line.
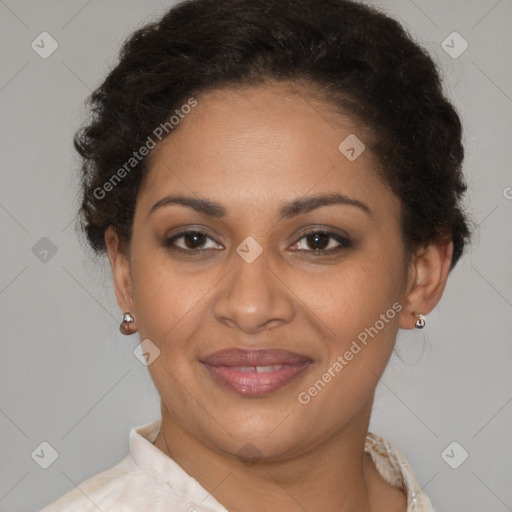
{"type": "Point", "coordinates": [363, 61]}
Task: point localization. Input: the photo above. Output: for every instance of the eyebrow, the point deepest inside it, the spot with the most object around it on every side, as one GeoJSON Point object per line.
{"type": "Point", "coordinates": [291, 209]}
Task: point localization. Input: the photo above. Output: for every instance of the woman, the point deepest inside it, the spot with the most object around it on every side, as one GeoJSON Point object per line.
{"type": "Point", "coordinates": [277, 185]}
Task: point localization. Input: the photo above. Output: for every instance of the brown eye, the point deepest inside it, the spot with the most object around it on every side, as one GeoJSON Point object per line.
{"type": "Point", "coordinates": [322, 242]}
{"type": "Point", "coordinates": [194, 240]}
{"type": "Point", "coordinates": [191, 241]}
{"type": "Point", "coordinates": [317, 241]}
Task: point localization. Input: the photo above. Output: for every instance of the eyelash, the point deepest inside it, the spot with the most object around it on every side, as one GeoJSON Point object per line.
{"type": "Point", "coordinates": [343, 241]}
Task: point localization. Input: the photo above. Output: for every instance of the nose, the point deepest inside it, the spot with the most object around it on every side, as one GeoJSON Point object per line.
{"type": "Point", "coordinates": [254, 297]}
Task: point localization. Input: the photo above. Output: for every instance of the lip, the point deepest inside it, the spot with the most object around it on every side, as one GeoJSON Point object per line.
{"type": "Point", "coordinates": [255, 372]}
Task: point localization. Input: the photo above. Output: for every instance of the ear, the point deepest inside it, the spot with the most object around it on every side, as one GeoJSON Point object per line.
{"type": "Point", "coordinates": [428, 272]}
{"type": "Point", "coordinates": [120, 265]}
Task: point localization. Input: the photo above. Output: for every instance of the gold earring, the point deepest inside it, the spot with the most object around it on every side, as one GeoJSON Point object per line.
{"type": "Point", "coordinates": [420, 320]}
{"type": "Point", "coordinates": [125, 327]}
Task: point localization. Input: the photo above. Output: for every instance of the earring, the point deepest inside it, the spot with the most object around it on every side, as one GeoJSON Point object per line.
{"type": "Point", "coordinates": [420, 320]}
{"type": "Point", "coordinates": [125, 326]}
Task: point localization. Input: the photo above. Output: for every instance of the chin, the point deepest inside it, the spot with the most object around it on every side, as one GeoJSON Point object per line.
{"type": "Point", "coordinates": [270, 435]}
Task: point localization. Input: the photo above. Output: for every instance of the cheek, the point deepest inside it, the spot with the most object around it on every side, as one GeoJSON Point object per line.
{"type": "Point", "coordinates": [167, 298]}
{"type": "Point", "coordinates": [170, 309]}
{"type": "Point", "coordinates": [352, 296]}
{"type": "Point", "coordinates": [358, 305]}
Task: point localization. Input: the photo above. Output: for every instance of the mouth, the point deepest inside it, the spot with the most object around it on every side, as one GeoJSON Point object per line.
{"type": "Point", "coordinates": [255, 372]}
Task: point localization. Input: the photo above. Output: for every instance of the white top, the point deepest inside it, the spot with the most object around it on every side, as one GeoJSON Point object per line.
{"type": "Point", "coordinates": [147, 480]}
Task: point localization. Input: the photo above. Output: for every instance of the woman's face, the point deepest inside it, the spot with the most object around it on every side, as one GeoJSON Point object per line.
{"type": "Point", "coordinates": [251, 310]}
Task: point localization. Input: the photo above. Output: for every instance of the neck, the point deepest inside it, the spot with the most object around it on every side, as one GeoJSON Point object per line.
{"type": "Point", "coordinates": [336, 476]}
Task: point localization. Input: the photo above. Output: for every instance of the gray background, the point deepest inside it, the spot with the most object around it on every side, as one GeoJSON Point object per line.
{"type": "Point", "coordinates": [69, 378]}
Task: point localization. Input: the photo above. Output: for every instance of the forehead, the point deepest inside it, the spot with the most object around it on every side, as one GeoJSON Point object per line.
{"type": "Point", "coordinates": [249, 145]}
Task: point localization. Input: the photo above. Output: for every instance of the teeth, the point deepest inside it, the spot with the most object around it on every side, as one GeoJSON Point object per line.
{"type": "Point", "coordinates": [259, 369]}
{"type": "Point", "coordinates": [245, 369]}
{"type": "Point", "coordinates": [263, 369]}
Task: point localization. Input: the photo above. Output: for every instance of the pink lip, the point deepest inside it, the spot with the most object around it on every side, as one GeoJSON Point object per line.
{"type": "Point", "coordinates": [236, 369]}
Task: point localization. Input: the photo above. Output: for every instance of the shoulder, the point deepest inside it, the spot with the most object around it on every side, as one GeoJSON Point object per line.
{"type": "Point", "coordinates": [396, 471]}
{"type": "Point", "coordinates": [146, 480]}
{"type": "Point", "coordinates": [121, 488]}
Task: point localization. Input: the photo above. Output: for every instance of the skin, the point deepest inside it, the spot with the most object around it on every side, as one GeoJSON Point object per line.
{"type": "Point", "coordinates": [251, 150]}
